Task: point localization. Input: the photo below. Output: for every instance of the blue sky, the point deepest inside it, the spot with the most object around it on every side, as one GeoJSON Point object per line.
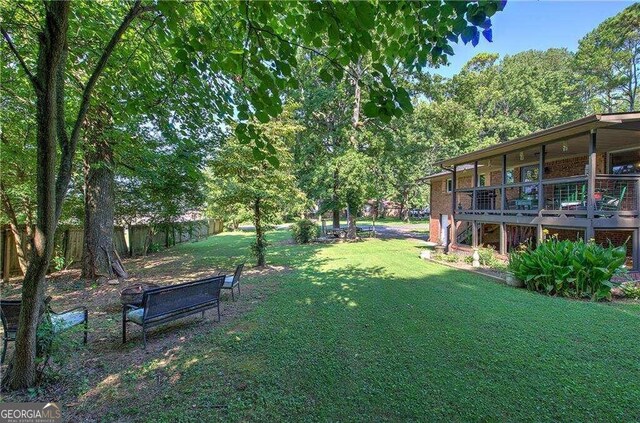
{"type": "Point", "coordinates": [526, 25]}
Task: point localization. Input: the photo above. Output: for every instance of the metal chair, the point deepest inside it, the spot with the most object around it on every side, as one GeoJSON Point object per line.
{"type": "Point", "coordinates": [233, 280]}
{"type": "Point", "coordinates": [10, 316]}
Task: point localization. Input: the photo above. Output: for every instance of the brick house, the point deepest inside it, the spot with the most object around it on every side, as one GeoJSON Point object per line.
{"type": "Point", "coordinates": [580, 179]}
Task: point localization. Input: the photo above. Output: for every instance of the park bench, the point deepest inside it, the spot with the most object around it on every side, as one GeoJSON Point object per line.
{"type": "Point", "coordinates": [168, 303]}
{"type": "Point", "coordinates": [10, 315]}
{"type": "Point", "coordinates": [370, 230]}
{"type": "Point", "coordinates": [233, 280]}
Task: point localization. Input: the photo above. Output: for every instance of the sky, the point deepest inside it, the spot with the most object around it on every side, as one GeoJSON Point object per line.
{"type": "Point", "coordinates": [526, 25]}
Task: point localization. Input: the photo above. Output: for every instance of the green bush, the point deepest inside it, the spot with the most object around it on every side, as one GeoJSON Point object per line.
{"type": "Point", "coordinates": [304, 231]}
{"type": "Point", "coordinates": [630, 289]}
{"type": "Point", "coordinates": [447, 258]}
{"type": "Point", "coordinates": [568, 268]}
{"type": "Point", "coordinates": [488, 258]}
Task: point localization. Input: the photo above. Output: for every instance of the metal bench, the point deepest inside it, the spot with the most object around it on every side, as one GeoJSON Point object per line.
{"type": "Point", "coordinates": [366, 229]}
{"type": "Point", "coordinates": [233, 280]}
{"type": "Point", "coordinates": [168, 303]}
{"type": "Point", "coordinates": [10, 314]}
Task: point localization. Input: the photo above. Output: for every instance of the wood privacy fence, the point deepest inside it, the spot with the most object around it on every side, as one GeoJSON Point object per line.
{"type": "Point", "coordinates": [132, 241]}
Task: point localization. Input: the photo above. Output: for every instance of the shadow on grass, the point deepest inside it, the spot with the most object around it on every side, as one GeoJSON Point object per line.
{"type": "Point", "coordinates": [366, 329]}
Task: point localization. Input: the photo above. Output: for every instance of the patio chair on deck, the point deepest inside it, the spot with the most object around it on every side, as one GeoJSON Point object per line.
{"type": "Point", "coordinates": [10, 314]}
{"type": "Point", "coordinates": [572, 200]}
{"type": "Point", "coordinates": [612, 203]}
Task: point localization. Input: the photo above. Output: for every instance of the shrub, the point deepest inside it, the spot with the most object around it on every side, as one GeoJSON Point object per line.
{"type": "Point", "coordinates": [447, 258]}
{"type": "Point", "coordinates": [304, 231]}
{"type": "Point", "coordinates": [630, 289]}
{"type": "Point", "coordinates": [568, 268]}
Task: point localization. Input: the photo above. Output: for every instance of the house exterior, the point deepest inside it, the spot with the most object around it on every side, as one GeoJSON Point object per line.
{"type": "Point", "coordinates": [580, 179]}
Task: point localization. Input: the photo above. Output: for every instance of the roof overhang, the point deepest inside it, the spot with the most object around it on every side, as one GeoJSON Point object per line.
{"type": "Point", "coordinates": [556, 133]}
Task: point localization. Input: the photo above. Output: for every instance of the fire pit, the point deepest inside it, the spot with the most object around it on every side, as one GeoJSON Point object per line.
{"type": "Point", "coordinates": [132, 295]}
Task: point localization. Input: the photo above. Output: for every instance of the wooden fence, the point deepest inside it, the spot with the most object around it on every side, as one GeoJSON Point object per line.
{"type": "Point", "coordinates": [128, 242]}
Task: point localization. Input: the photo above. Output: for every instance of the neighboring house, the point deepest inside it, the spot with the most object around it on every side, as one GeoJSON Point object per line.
{"type": "Point", "coordinates": [579, 179]}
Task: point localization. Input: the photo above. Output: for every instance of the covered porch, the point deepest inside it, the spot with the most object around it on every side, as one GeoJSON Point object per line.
{"type": "Point", "coordinates": [583, 175]}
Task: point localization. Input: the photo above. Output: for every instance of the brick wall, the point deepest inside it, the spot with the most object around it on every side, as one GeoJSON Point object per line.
{"type": "Point", "coordinates": [440, 204]}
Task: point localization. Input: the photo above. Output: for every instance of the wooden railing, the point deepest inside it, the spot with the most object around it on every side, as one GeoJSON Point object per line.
{"type": "Point", "coordinates": [612, 196]}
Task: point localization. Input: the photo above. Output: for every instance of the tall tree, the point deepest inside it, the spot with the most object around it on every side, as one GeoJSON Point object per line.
{"type": "Point", "coordinates": [239, 179]}
{"type": "Point", "coordinates": [49, 81]}
{"type": "Point", "coordinates": [609, 59]}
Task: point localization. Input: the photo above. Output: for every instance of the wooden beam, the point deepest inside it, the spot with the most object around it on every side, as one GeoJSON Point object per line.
{"type": "Point", "coordinates": [591, 184]}
{"type": "Point", "coordinates": [503, 238]}
{"type": "Point", "coordinates": [635, 254]}
{"type": "Point", "coordinates": [540, 176]}
{"type": "Point", "coordinates": [504, 183]}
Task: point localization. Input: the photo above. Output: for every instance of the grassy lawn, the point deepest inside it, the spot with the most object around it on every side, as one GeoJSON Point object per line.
{"type": "Point", "coordinates": [366, 331]}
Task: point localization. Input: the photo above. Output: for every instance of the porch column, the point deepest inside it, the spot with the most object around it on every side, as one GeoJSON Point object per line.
{"type": "Point", "coordinates": [503, 238]}
{"type": "Point", "coordinates": [539, 234]}
{"type": "Point", "coordinates": [452, 226]}
{"type": "Point", "coordinates": [591, 184]}
{"type": "Point", "coordinates": [635, 254]}
{"type": "Point", "coordinates": [540, 175]}
{"type": "Point", "coordinates": [475, 185]}
{"type": "Point", "coordinates": [504, 183]}
{"type": "Point", "coordinates": [474, 234]}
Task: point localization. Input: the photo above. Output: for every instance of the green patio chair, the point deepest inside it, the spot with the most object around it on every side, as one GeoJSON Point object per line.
{"type": "Point", "coordinates": [574, 199]}
{"type": "Point", "coordinates": [612, 203]}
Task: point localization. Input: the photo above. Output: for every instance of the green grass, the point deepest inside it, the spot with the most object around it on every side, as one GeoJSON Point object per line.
{"type": "Point", "coordinates": [367, 331]}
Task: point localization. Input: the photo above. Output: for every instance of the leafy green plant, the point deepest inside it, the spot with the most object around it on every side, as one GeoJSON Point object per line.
{"type": "Point", "coordinates": [304, 231]}
{"type": "Point", "coordinates": [631, 289]}
{"type": "Point", "coordinates": [568, 268]}
{"type": "Point", "coordinates": [58, 262]}
{"type": "Point", "coordinates": [447, 258]}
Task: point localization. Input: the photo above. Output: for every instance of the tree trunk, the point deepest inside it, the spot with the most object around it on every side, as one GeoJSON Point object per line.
{"type": "Point", "coordinates": [51, 56]}
{"type": "Point", "coordinates": [405, 205]}
{"type": "Point", "coordinates": [260, 241]}
{"type": "Point", "coordinates": [336, 209]}
{"type": "Point", "coordinates": [352, 232]}
{"type": "Point", "coordinates": [98, 204]}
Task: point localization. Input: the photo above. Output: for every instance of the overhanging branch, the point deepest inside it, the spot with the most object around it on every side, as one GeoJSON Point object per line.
{"type": "Point", "coordinates": [68, 145]}
{"type": "Point", "coordinates": [23, 64]}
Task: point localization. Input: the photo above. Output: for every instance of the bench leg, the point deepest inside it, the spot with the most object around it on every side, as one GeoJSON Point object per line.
{"type": "Point", "coordinates": [233, 298]}
{"type": "Point", "coordinates": [144, 337]}
{"type": "Point", "coordinates": [4, 351]}
{"type": "Point", "coordinates": [86, 325]}
{"type": "Point", "coordinates": [202, 314]}
{"type": "Point", "coordinates": [219, 309]}
{"type": "Point", "coordinates": [238, 289]}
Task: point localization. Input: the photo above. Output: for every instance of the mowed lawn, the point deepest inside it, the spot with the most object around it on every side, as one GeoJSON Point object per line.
{"type": "Point", "coordinates": [367, 331]}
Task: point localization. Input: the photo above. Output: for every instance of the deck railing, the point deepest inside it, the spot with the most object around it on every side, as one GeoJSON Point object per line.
{"type": "Point", "coordinates": [613, 195]}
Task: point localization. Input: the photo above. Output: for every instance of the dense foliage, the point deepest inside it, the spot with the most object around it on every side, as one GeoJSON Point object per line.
{"type": "Point", "coordinates": [569, 268]}
{"type": "Point", "coordinates": [304, 231]}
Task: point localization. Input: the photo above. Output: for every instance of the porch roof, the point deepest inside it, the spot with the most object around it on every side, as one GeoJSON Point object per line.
{"type": "Point", "coordinates": [554, 133]}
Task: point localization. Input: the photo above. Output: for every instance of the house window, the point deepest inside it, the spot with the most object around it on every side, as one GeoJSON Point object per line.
{"type": "Point", "coordinates": [510, 177]}
{"type": "Point", "coordinates": [625, 162]}
{"type": "Point", "coordinates": [529, 174]}
{"type": "Point", "coordinates": [449, 185]}
{"type": "Point", "coordinates": [482, 181]}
